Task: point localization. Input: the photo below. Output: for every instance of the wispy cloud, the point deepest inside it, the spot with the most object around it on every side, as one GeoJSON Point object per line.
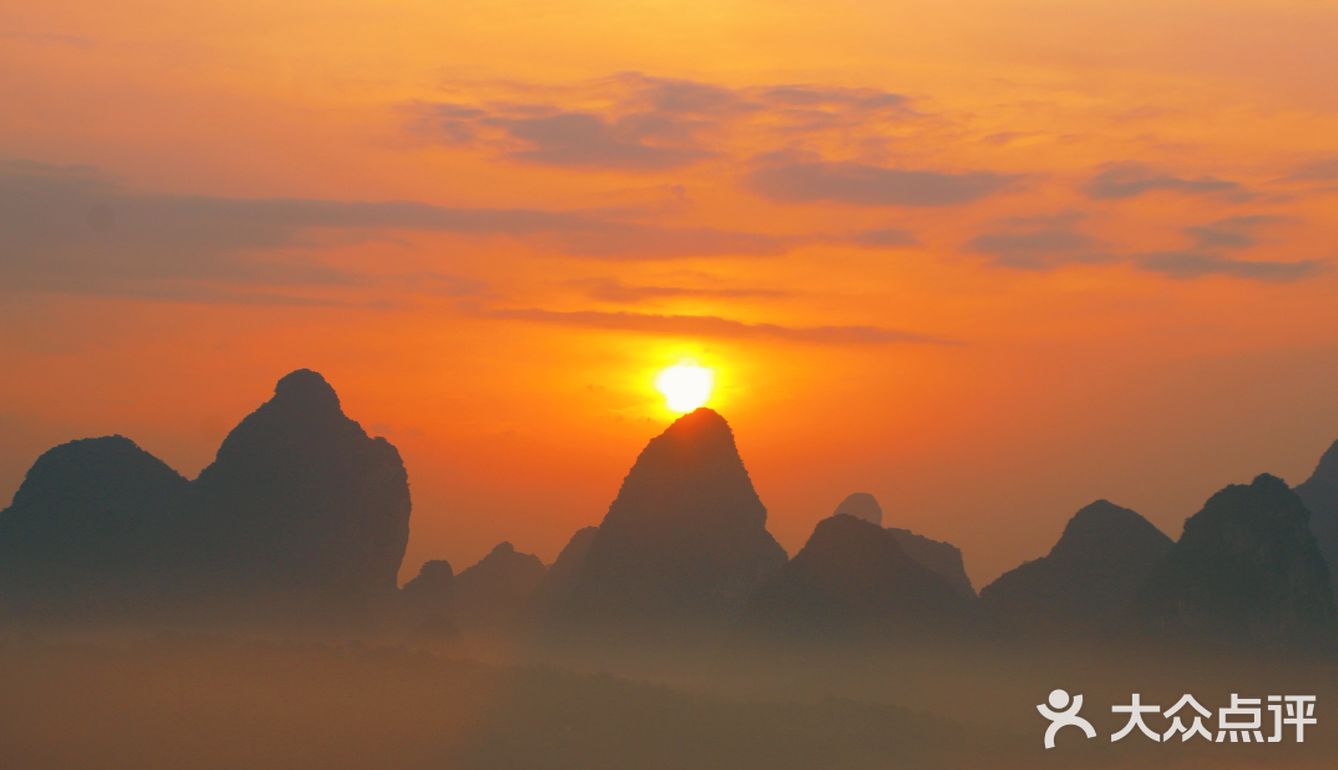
{"type": "Point", "coordinates": [636, 123]}
{"type": "Point", "coordinates": [1323, 170]}
{"type": "Point", "coordinates": [712, 326]}
{"type": "Point", "coordinates": [614, 290]}
{"type": "Point", "coordinates": [75, 228]}
{"type": "Point", "coordinates": [1189, 264]}
{"type": "Point", "coordinates": [1129, 180]}
{"type": "Point", "coordinates": [790, 178]}
{"type": "Point", "coordinates": [1238, 232]}
{"type": "Point", "coordinates": [1042, 247]}
{"type": "Point", "coordinates": [884, 238]}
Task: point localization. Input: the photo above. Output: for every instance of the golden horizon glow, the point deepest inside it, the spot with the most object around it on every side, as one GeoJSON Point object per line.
{"type": "Point", "coordinates": [972, 257]}
{"type": "Point", "coordinates": [686, 386]}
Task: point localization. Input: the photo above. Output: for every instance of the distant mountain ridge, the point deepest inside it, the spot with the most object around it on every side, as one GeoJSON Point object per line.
{"type": "Point", "coordinates": [1320, 495]}
{"type": "Point", "coordinates": [1088, 578]}
{"type": "Point", "coordinates": [941, 557]}
{"type": "Point", "coordinates": [303, 516]}
{"type": "Point", "coordinates": [852, 580]}
{"type": "Point", "coordinates": [1246, 571]}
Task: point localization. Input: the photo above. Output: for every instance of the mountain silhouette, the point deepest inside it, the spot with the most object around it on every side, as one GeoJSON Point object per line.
{"type": "Point", "coordinates": [1320, 495]}
{"type": "Point", "coordinates": [566, 569]}
{"type": "Point", "coordinates": [685, 539]}
{"type": "Point", "coordinates": [499, 591]}
{"type": "Point", "coordinates": [1087, 579]}
{"type": "Point", "coordinates": [943, 558]}
{"type": "Point", "coordinates": [432, 585]}
{"type": "Point", "coordinates": [425, 601]}
{"type": "Point", "coordinates": [853, 580]}
{"type": "Point", "coordinates": [861, 505]}
{"type": "Point", "coordinates": [1246, 571]}
{"type": "Point", "coordinates": [300, 508]}
{"type": "Point", "coordinates": [93, 528]}
{"type": "Point", "coordinates": [301, 502]}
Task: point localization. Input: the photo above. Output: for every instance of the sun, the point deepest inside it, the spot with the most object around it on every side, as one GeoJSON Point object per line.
{"type": "Point", "coordinates": [685, 385]}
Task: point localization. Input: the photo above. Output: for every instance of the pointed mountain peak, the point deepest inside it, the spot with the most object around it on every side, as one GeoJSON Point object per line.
{"type": "Point", "coordinates": [843, 525]}
{"type": "Point", "coordinates": [435, 570]}
{"type": "Point", "coordinates": [433, 580]}
{"type": "Point", "coordinates": [307, 387]}
{"type": "Point", "coordinates": [862, 505]}
{"type": "Point", "coordinates": [1099, 526]}
{"type": "Point", "coordinates": [1100, 514]}
{"type": "Point", "coordinates": [1269, 483]}
{"type": "Point", "coordinates": [696, 440]}
{"type": "Point", "coordinates": [503, 557]}
{"type": "Point", "coordinates": [684, 540]}
{"type": "Point", "coordinates": [697, 424]}
{"type": "Point", "coordinates": [1265, 504]}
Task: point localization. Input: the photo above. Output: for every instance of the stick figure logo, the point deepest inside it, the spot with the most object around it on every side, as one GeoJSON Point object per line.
{"type": "Point", "coordinates": [1062, 712]}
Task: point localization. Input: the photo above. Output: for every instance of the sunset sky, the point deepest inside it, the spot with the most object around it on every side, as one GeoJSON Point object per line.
{"type": "Point", "coordinates": [987, 260]}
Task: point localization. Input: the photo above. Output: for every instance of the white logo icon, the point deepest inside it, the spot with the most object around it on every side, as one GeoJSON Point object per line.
{"type": "Point", "coordinates": [1063, 712]}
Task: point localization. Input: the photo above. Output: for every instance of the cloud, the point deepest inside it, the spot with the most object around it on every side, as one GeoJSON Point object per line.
{"type": "Point", "coordinates": [810, 180]}
{"type": "Point", "coordinates": [1231, 233]}
{"type": "Point", "coordinates": [78, 229]}
{"type": "Point", "coordinates": [606, 239]}
{"type": "Point", "coordinates": [1129, 180]}
{"type": "Point", "coordinates": [885, 237]}
{"type": "Point", "coordinates": [1053, 242]}
{"type": "Point", "coordinates": [1038, 243]}
{"type": "Point", "coordinates": [713, 326]}
{"type": "Point", "coordinates": [638, 123]}
{"type": "Point", "coordinates": [638, 142]}
{"type": "Point", "coordinates": [1188, 264]}
{"type": "Point", "coordinates": [1325, 170]}
{"type": "Point", "coordinates": [613, 290]}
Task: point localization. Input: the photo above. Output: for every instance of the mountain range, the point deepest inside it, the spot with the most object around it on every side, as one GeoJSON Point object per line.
{"type": "Point", "coordinates": [304, 517]}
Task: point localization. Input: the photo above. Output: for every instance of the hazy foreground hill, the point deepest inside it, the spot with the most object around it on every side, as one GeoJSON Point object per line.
{"type": "Point", "coordinates": [1246, 571]}
{"type": "Point", "coordinates": [1320, 495]}
{"type": "Point", "coordinates": [851, 580]}
{"type": "Point", "coordinates": [300, 507]}
{"type": "Point", "coordinates": [685, 539]}
{"type": "Point", "coordinates": [1089, 577]}
{"type": "Point", "coordinates": [95, 526]}
{"type": "Point", "coordinates": [943, 558]}
{"type": "Point", "coordinates": [499, 590]}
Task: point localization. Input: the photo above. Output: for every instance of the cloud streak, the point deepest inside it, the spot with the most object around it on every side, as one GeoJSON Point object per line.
{"type": "Point", "coordinates": [1037, 248]}
{"type": "Point", "coordinates": [77, 229]}
{"type": "Point", "coordinates": [1188, 265]}
{"type": "Point", "coordinates": [809, 180]}
{"type": "Point", "coordinates": [1233, 232]}
{"type": "Point", "coordinates": [614, 290]}
{"type": "Point", "coordinates": [1130, 180]}
{"type": "Point", "coordinates": [638, 123]}
{"type": "Point", "coordinates": [712, 326]}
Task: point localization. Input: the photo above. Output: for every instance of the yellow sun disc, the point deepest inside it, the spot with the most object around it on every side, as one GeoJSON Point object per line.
{"type": "Point", "coordinates": [685, 385]}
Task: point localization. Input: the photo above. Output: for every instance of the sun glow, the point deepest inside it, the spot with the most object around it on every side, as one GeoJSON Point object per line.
{"type": "Point", "coordinates": [685, 385]}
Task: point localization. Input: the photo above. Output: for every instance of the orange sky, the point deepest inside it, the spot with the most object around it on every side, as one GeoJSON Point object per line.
{"type": "Point", "coordinates": [987, 260]}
